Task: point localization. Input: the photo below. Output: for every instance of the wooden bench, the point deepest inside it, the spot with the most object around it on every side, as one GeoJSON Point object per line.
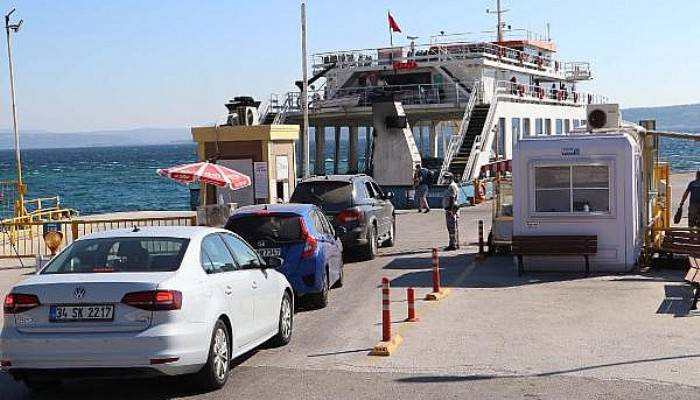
{"type": "Point", "coordinates": [554, 245]}
{"type": "Point", "coordinates": [681, 241]}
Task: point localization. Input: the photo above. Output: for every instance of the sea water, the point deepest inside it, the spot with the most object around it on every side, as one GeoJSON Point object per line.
{"type": "Point", "coordinates": [108, 179]}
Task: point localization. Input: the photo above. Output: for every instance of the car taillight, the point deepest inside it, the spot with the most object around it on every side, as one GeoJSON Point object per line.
{"type": "Point", "coordinates": [350, 215]}
{"type": "Point", "coordinates": [16, 303]}
{"type": "Point", "coordinates": [310, 242]}
{"type": "Point", "coordinates": [154, 300]}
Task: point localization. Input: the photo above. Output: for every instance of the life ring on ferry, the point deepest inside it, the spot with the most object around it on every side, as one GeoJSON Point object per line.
{"type": "Point", "coordinates": [479, 192]}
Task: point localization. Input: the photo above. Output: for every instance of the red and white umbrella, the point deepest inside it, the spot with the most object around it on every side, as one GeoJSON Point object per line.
{"type": "Point", "coordinates": [206, 172]}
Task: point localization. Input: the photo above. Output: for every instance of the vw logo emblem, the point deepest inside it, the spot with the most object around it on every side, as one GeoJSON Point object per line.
{"type": "Point", "coordinates": [79, 292]}
{"type": "Point", "coordinates": [261, 243]}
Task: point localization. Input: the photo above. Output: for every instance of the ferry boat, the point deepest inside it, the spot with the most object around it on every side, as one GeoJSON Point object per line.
{"type": "Point", "coordinates": [489, 92]}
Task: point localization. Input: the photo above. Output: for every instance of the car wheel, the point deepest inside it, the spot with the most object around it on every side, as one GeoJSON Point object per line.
{"type": "Point", "coordinates": [286, 322]}
{"type": "Point", "coordinates": [370, 249]}
{"type": "Point", "coordinates": [391, 240]}
{"type": "Point", "coordinates": [320, 300]}
{"type": "Point", "coordinates": [339, 282]}
{"type": "Point", "coordinates": [215, 372]}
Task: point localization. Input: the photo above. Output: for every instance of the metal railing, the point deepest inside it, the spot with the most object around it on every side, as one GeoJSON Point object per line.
{"type": "Point", "coordinates": [441, 52]}
{"type": "Point", "coordinates": [25, 239]}
{"type": "Point", "coordinates": [542, 94]}
{"type": "Point", "coordinates": [475, 152]}
{"type": "Point", "coordinates": [457, 140]}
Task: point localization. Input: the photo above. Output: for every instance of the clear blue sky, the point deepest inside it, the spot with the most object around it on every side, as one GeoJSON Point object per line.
{"type": "Point", "coordinates": [91, 64]}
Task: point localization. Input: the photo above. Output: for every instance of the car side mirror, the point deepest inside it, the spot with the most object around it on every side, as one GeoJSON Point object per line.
{"type": "Point", "coordinates": [273, 262]}
{"type": "Point", "coordinates": [388, 195]}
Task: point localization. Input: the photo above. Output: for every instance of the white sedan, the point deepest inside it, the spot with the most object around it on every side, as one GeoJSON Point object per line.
{"type": "Point", "coordinates": [161, 300]}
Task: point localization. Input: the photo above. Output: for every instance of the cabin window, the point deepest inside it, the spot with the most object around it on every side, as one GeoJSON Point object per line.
{"type": "Point", "coordinates": [515, 129]}
{"type": "Point", "coordinates": [500, 146]}
{"type": "Point", "coordinates": [567, 126]}
{"type": "Point", "coordinates": [572, 189]}
{"type": "Point", "coordinates": [560, 127]}
{"type": "Point", "coordinates": [526, 127]}
{"type": "Point", "coordinates": [547, 126]}
{"type": "Point", "coordinates": [576, 123]}
{"type": "Point", "coordinates": [539, 130]}
{"type": "Point", "coordinates": [584, 122]}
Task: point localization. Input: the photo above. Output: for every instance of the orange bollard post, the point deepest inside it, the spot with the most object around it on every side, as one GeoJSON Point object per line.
{"type": "Point", "coordinates": [436, 271]}
{"type": "Point", "coordinates": [386, 310]}
{"type": "Point", "coordinates": [411, 299]}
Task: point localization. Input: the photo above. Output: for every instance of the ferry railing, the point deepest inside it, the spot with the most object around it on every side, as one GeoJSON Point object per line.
{"type": "Point", "coordinates": [456, 141]}
{"type": "Point", "coordinates": [25, 238]}
{"type": "Point", "coordinates": [440, 52]}
{"type": "Point", "coordinates": [549, 95]}
{"type": "Point", "coordinates": [407, 94]}
{"type": "Point", "coordinates": [472, 163]}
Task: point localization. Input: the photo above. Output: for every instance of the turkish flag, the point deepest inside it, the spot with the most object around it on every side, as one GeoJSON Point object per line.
{"type": "Point", "coordinates": [393, 25]}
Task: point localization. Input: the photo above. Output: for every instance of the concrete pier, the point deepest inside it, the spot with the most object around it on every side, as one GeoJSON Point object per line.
{"type": "Point", "coordinates": [352, 150]}
{"type": "Point", "coordinates": [336, 152]}
{"type": "Point", "coordinates": [320, 165]}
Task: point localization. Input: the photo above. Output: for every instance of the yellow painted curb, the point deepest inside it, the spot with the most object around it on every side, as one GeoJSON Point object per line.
{"type": "Point", "coordinates": [384, 349]}
{"type": "Point", "coordinates": [437, 296]}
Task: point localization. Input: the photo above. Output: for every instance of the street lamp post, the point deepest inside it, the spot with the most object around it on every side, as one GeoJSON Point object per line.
{"type": "Point", "coordinates": [9, 28]}
{"type": "Point", "coordinates": [304, 97]}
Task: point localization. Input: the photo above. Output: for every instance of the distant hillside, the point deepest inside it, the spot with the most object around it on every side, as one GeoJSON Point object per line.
{"type": "Point", "coordinates": [133, 137]}
{"type": "Point", "coordinates": [685, 118]}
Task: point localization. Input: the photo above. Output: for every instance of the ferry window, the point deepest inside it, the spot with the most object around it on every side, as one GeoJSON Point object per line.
{"type": "Point", "coordinates": [567, 126]}
{"type": "Point", "coordinates": [560, 127]}
{"type": "Point", "coordinates": [526, 127]}
{"type": "Point", "coordinates": [501, 136]}
{"type": "Point", "coordinates": [584, 122]}
{"type": "Point", "coordinates": [547, 126]}
{"type": "Point", "coordinates": [572, 189]}
{"type": "Point", "coordinates": [538, 127]}
{"type": "Point", "coordinates": [576, 123]}
{"type": "Point", "coordinates": [515, 129]}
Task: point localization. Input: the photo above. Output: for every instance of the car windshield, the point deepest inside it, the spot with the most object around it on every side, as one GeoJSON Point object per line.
{"type": "Point", "coordinates": [134, 254]}
{"type": "Point", "coordinates": [320, 193]}
{"type": "Point", "coordinates": [280, 228]}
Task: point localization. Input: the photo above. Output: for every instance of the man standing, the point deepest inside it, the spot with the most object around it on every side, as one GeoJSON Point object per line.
{"type": "Point", "coordinates": [421, 178]}
{"type": "Point", "coordinates": [694, 207]}
{"type": "Point", "coordinates": [449, 203]}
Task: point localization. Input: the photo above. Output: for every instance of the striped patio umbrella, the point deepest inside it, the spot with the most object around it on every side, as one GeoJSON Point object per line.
{"type": "Point", "coordinates": [206, 172]}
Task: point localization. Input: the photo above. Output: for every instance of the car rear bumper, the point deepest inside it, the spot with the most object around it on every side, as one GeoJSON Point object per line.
{"type": "Point", "coordinates": [186, 345]}
{"type": "Point", "coordinates": [354, 237]}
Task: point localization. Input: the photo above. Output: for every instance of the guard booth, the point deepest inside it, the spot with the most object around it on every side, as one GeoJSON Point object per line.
{"type": "Point", "coordinates": [583, 184]}
{"type": "Point", "coordinates": [266, 153]}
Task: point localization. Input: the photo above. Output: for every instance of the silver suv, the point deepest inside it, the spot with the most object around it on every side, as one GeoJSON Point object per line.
{"type": "Point", "coordinates": [361, 213]}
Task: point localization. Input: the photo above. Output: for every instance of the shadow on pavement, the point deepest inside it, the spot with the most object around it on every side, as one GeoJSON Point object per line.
{"type": "Point", "coordinates": [477, 377]}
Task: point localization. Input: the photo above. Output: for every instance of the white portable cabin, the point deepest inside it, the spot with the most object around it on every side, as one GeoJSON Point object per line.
{"type": "Point", "coordinates": [582, 184]}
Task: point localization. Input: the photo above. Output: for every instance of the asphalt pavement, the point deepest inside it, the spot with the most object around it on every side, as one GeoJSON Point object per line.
{"type": "Point", "coordinates": [496, 336]}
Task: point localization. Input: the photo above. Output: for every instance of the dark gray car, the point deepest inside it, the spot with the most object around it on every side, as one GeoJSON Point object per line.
{"type": "Point", "coordinates": [356, 206]}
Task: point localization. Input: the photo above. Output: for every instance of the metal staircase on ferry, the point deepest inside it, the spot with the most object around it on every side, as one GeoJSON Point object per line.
{"type": "Point", "coordinates": [458, 154]}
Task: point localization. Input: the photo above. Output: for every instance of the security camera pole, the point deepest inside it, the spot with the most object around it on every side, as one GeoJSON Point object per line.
{"type": "Point", "coordinates": [9, 28]}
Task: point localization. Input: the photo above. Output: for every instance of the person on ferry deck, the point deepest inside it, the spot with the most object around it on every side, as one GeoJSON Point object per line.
{"type": "Point", "coordinates": [449, 203]}
{"type": "Point", "coordinates": [693, 191]}
{"type": "Point", "coordinates": [513, 85]}
{"type": "Point", "coordinates": [421, 181]}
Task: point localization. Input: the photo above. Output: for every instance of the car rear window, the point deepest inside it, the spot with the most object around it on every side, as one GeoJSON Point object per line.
{"type": "Point", "coordinates": [133, 254]}
{"type": "Point", "coordinates": [279, 228]}
{"type": "Point", "coordinates": [320, 193]}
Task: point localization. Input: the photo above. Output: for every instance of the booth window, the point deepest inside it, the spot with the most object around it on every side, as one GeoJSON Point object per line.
{"type": "Point", "coordinates": [572, 189]}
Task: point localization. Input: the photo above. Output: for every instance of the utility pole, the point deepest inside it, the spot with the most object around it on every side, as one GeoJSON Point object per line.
{"type": "Point", "coordinates": [9, 28]}
{"type": "Point", "coordinates": [304, 97]}
{"type": "Point", "coordinates": [499, 12]}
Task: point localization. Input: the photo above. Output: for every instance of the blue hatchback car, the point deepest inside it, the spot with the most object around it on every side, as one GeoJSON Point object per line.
{"type": "Point", "coordinates": [305, 240]}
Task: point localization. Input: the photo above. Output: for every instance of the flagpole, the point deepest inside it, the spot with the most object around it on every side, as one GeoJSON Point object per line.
{"type": "Point", "coordinates": [391, 31]}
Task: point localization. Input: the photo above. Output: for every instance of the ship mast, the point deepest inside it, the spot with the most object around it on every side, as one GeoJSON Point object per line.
{"type": "Point", "coordinates": [9, 28]}
{"type": "Point", "coordinates": [499, 14]}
